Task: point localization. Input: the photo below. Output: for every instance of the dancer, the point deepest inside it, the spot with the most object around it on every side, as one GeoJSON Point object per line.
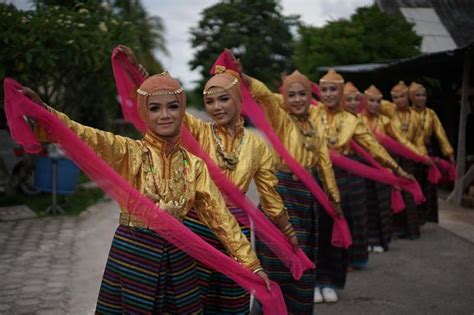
{"type": "Point", "coordinates": [144, 272]}
{"type": "Point", "coordinates": [340, 128]}
{"type": "Point", "coordinates": [405, 123]}
{"type": "Point", "coordinates": [430, 126]}
{"type": "Point", "coordinates": [290, 115]}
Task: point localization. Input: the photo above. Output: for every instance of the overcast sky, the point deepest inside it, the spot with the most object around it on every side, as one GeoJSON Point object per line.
{"type": "Point", "coordinates": [179, 15]}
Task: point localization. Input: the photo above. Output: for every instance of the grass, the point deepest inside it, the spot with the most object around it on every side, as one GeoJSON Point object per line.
{"type": "Point", "coordinates": [71, 204]}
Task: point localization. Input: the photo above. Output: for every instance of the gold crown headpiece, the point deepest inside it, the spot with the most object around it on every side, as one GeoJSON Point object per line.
{"type": "Point", "coordinates": [161, 92]}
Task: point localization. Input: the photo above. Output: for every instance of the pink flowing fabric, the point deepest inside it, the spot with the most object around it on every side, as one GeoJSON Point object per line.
{"type": "Point", "coordinates": [393, 146]}
{"type": "Point", "coordinates": [397, 204]}
{"type": "Point", "coordinates": [17, 106]}
{"type": "Point", "coordinates": [447, 167]}
{"type": "Point", "coordinates": [374, 174]}
{"type": "Point", "coordinates": [341, 236]}
{"type": "Point", "coordinates": [128, 78]}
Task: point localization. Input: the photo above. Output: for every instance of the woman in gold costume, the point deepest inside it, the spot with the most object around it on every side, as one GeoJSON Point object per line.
{"type": "Point", "coordinates": [340, 127]}
{"type": "Point", "coordinates": [431, 127]}
{"type": "Point", "coordinates": [144, 272]}
{"type": "Point", "coordinates": [292, 119]}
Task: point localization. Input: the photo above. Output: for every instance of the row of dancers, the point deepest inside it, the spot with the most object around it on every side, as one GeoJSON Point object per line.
{"type": "Point", "coordinates": [341, 142]}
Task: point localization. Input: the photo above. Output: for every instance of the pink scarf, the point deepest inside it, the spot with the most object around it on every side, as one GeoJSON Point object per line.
{"type": "Point", "coordinates": [17, 106]}
{"type": "Point", "coordinates": [340, 234]}
{"type": "Point", "coordinates": [395, 147]}
{"type": "Point", "coordinates": [127, 79]}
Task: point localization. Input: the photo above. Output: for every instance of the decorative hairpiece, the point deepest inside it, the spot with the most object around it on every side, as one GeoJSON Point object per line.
{"type": "Point", "coordinates": [219, 69]}
{"type": "Point", "coordinates": [160, 92]}
{"type": "Point", "coordinates": [220, 90]}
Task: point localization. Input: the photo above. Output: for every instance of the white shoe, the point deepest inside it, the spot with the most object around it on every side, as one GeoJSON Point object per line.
{"type": "Point", "coordinates": [378, 249]}
{"type": "Point", "coordinates": [329, 295]}
{"type": "Point", "coordinates": [370, 248]}
{"type": "Point", "coordinates": [318, 298]}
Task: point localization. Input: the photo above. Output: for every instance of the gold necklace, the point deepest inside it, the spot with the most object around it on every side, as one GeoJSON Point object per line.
{"type": "Point", "coordinates": [404, 125]}
{"type": "Point", "coordinates": [179, 200]}
{"type": "Point", "coordinates": [309, 133]}
{"type": "Point", "coordinates": [332, 139]}
{"type": "Point", "coordinates": [226, 160]}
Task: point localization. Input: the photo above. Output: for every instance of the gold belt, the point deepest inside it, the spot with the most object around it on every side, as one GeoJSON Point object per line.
{"type": "Point", "coordinates": [131, 220]}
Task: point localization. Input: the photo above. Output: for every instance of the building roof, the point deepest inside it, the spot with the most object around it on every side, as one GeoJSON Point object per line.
{"type": "Point", "coordinates": [442, 64]}
{"type": "Point", "coordinates": [442, 23]}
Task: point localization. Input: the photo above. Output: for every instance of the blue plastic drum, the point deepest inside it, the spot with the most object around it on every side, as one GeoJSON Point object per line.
{"type": "Point", "coordinates": [67, 174]}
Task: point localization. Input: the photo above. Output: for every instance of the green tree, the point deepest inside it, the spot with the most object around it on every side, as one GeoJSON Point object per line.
{"type": "Point", "coordinates": [256, 31]}
{"type": "Point", "coordinates": [64, 52]}
{"type": "Point", "coordinates": [368, 36]}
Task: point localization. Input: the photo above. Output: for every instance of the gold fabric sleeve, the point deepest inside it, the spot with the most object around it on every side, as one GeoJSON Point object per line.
{"type": "Point", "coordinates": [266, 182]}
{"type": "Point", "coordinates": [326, 172]}
{"type": "Point", "coordinates": [441, 136]}
{"type": "Point", "coordinates": [387, 108]}
{"type": "Point", "coordinates": [419, 137]}
{"type": "Point", "coordinates": [113, 149]}
{"type": "Point", "coordinates": [288, 133]}
{"type": "Point", "coordinates": [367, 140]}
{"type": "Point", "coordinates": [211, 209]}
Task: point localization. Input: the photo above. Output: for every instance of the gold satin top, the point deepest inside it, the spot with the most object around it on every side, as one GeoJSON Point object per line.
{"type": "Point", "coordinates": [255, 160]}
{"type": "Point", "coordinates": [342, 126]}
{"type": "Point", "coordinates": [387, 108]}
{"type": "Point", "coordinates": [310, 151]}
{"type": "Point", "coordinates": [430, 124]}
{"type": "Point", "coordinates": [406, 127]}
{"type": "Point", "coordinates": [176, 182]}
{"type": "Point", "coordinates": [378, 122]}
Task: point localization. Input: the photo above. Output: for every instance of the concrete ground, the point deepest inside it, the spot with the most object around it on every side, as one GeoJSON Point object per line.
{"type": "Point", "coordinates": [54, 266]}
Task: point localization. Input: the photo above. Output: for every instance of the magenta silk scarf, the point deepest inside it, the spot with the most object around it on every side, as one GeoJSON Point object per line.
{"type": "Point", "coordinates": [395, 147]}
{"type": "Point", "coordinates": [127, 79]}
{"type": "Point", "coordinates": [341, 236]}
{"type": "Point", "coordinates": [17, 106]}
{"type": "Point", "coordinates": [412, 187]}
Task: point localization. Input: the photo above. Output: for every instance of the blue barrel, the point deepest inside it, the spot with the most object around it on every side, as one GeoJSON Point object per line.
{"type": "Point", "coordinates": [67, 174]}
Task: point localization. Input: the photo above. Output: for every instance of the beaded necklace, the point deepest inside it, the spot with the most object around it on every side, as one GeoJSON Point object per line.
{"type": "Point", "coordinates": [226, 160]}
{"type": "Point", "coordinates": [309, 133]}
{"type": "Point", "coordinates": [404, 124]}
{"type": "Point", "coordinates": [332, 138]}
{"type": "Point", "coordinates": [178, 201]}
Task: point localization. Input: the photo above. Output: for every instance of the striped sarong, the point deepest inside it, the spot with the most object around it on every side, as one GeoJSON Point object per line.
{"type": "Point", "coordinates": [406, 223]}
{"type": "Point", "coordinates": [219, 294]}
{"type": "Point", "coordinates": [303, 213]}
{"type": "Point", "coordinates": [145, 274]}
{"type": "Point", "coordinates": [379, 214]}
{"type": "Point", "coordinates": [427, 211]}
{"type": "Point", "coordinates": [353, 202]}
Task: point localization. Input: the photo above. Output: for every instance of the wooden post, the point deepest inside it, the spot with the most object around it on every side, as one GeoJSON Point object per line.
{"type": "Point", "coordinates": [460, 184]}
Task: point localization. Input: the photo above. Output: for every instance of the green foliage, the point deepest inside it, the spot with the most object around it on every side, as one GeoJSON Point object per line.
{"type": "Point", "coordinates": [63, 52]}
{"type": "Point", "coordinates": [369, 36]}
{"type": "Point", "coordinates": [255, 30]}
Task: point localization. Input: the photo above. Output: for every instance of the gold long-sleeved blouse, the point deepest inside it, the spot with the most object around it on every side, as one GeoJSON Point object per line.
{"type": "Point", "coordinates": [304, 140]}
{"type": "Point", "coordinates": [342, 126]}
{"type": "Point", "coordinates": [383, 124]}
{"type": "Point", "coordinates": [176, 182]}
{"type": "Point", "coordinates": [255, 160]}
{"type": "Point", "coordinates": [430, 124]}
{"type": "Point", "coordinates": [406, 127]}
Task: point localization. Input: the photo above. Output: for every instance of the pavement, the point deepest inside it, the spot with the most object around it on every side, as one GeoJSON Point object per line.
{"type": "Point", "coordinates": [54, 265]}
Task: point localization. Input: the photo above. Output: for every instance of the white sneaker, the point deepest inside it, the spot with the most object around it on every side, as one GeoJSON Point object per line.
{"type": "Point", "coordinates": [318, 298]}
{"type": "Point", "coordinates": [370, 248]}
{"type": "Point", "coordinates": [329, 295]}
{"type": "Point", "coordinates": [378, 249]}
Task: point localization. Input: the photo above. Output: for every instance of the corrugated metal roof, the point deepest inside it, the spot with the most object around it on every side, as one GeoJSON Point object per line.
{"type": "Point", "coordinates": [429, 26]}
{"type": "Point", "coordinates": [457, 16]}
